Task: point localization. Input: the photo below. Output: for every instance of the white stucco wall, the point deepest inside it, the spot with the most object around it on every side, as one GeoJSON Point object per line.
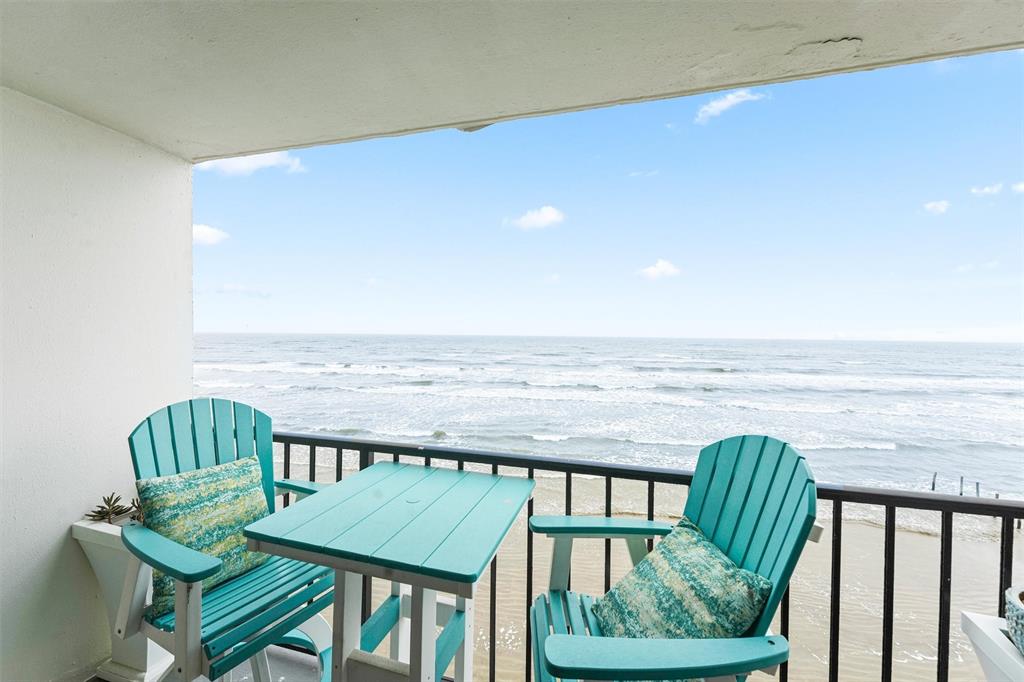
{"type": "Point", "coordinates": [96, 332]}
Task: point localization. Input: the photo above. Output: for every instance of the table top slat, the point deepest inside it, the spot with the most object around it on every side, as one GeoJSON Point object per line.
{"type": "Point", "coordinates": [418, 540]}
{"type": "Point", "coordinates": [321, 530]}
{"type": "Point", "coordinates": [482, 530]}
{"type": "Point", "coordinates": [431, 521]}
{"type": "Point", "coordinates": [367, 536]}
{"type": "Point", "coordinates": [303, 511]}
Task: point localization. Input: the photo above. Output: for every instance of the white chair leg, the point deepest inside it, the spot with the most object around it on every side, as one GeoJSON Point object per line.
{"type": "Point", "coordinates": [188, 652]}
{"type": "Point", "coordinates": [260, 665]}
{"type": "Point", "coordinates": [561, 560]}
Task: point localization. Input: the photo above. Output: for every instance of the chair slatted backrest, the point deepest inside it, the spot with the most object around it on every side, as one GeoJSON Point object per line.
{"type": "Point", "coordinates": [198, 433]}
{"type": "Point", "coordinates": [755, 497]}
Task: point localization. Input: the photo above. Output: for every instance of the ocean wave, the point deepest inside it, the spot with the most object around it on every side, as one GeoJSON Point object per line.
{"type": "Point", "coordinates": [200, 384]}
{"type": "Point", "coordinates": [684, 369]}
{"type": "Point", "coordinates": [845, 445]}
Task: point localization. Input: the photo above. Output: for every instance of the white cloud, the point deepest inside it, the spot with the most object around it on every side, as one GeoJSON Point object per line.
{"type": "Point", "coordinates": [553, 278]}
{"type": "Point", "coordinates": [207, 236]}
{"type": "Point", "coordinates": [988, 190]}
{"type": "Point", "coordinates": [968, 268]}
{"type": "Point", "coordinates": [247, 165]}
{"type": "Point", "coordinates": [661, 268]}
{"type": "Point", "coordinates": [1018, 187]}
{"type": "Point", "coordinates": [937, 207]}
{"type": "Point", "coordinates": [720, 105]}
{"type": "Point", "coordinates": [242, 290]}
{"type": "Point", "coordinates": [539, 218]}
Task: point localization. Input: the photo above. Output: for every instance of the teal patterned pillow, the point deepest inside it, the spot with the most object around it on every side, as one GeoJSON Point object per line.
{"type": "Point", "coordinates": [205, 510]}
{"type": "Point", "coordinates": [686, 588]}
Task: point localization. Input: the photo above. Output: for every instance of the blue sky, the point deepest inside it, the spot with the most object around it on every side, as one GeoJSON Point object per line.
{"type": "Point", "coordinates": [878, 205]}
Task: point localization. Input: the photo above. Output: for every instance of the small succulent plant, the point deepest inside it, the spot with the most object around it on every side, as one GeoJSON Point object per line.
{"type": "Point", "coordinates": [137, 514]}
{"type": "Point", "coordinates": [109, 510]}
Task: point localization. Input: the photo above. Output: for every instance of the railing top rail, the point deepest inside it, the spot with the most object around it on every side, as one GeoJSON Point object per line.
{"type": "Point", "coordinates": [826, 491]}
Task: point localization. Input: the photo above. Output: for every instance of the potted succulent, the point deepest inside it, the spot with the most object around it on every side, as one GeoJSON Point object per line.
{"type": "Point", "coordinates": [112, 511]}
{"type": "Point", "coordinates": [99, 535]}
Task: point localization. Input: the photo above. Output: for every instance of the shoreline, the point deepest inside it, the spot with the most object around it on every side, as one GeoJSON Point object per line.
{"type": "Point", "coordinates": [974, 583]}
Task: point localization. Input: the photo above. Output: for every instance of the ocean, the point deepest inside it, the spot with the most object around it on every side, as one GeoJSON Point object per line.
{"type": "Point", "coordinates": [863, 413]}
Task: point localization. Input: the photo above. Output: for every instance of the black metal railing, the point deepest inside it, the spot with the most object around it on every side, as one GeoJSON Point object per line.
{"type": "Point", "coordinates": [1007, 511]}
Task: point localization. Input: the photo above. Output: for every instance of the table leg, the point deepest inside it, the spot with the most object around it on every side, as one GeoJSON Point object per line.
{"type": "Point", "coordinates": [399, 648]}
{"type": "Point", "coordinates": [464, 656]}
{"type": "Point", "coordinates": [348, 601]}
{"type": "Point", "coordinates": [424, 635]}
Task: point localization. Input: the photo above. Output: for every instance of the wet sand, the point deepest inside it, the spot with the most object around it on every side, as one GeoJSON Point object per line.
{"type": "Point", "coordinates": [974, 584]}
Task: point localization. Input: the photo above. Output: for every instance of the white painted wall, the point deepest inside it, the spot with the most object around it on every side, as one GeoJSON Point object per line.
{"type": "Point", "coordinates": [96, 332]}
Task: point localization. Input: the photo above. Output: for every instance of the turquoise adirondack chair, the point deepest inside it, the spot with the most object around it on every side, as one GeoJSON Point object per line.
{"type": "Point", "coordinates": [754, 497]}
{"type": "Point", "coordinates": [275, 603]}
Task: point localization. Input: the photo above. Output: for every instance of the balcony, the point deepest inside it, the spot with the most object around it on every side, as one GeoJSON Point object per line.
{"type": "Point", "coordinates": [863, 613]}
{"type": "Point", "coordinates": [106, 107]}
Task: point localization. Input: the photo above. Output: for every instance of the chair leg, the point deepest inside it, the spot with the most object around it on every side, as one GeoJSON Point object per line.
{"type": "Point", "coordinates": [188, 652]}
{"type": "Point", "coordinates": [561, 560]}
{"type": "Point", "coordinates": [260, 665]}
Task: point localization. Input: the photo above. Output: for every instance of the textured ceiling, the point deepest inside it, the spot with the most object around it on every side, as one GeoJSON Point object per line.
{"type": "Point", "coordinates": [213, 79]}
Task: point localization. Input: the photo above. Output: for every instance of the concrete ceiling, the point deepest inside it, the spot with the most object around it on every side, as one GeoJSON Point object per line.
{"type": "Point", "coordinates": [212, 79]}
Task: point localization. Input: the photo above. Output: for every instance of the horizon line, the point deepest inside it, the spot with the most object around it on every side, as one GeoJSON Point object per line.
{"type": "Point", "coordinates": [1016, 342]}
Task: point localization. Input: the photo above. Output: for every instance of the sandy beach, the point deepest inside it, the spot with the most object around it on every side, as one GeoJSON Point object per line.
{"type": "Point", "coordinates": [974, 587]}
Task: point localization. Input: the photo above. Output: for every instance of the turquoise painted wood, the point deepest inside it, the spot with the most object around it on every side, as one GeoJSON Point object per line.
{"type": "Point", "coordinates": [233, 611]}
{"type": "Point", "coordinates": [177, 561]}
{"type": "Point", "coordinates": [564, 631]}
{"type": "Point", "coordinates": [380, 623]}
{"type": "Point", "coordinates": [240, 617]}
{"type": "Point", "coordinates": [448, 643]}
{"type": "Point", "coordinates": [297, 486]}
{"type": "Point", "coordinates": [755, 497]}
{"type": "Point", "coordinates": [426, 520]}
{"type": "Point", "coordinates": [597, 526]}
{"type": "Point", "coordinates": [613, 658]}
{"type": "Point", "coordinates": [202, 432]}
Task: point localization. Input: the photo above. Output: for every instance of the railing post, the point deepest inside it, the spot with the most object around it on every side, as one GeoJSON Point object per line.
{"type": "Point", "coordinates": [529, 584]}
{"type": "Point", "coordinates": [366, 460]}
{"type": "Point", "coordinates": [607, 541]}
{"type": "Point", "coordinates": [339, 464]}
{"type": "Point", "coordinates": [568, 512]}
{"type": "Point", "coordinates": [287, 469]}
{"type": "Point", "coordinates": [888, 577]}
{"type": "Point", "coordinates": [833, 617]}
{"type": "Point", "coordinates": [650, 511]}
{"type": "Point", "coordinates": [1005, 562]}
{"type": "Point", "coordinates": [945, 583]}
{"type": "Point", "coordinates": [493, 625]}
{"type": "Point", "coordinates": [784, 631]}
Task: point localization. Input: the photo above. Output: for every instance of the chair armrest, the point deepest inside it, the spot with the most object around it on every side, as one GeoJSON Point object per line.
{"type": "Point", "coordinates": [291, 485]}
{"type": "Point", "coordinates": [174, 559]}
{"type": "Point", "coordinates": [598, 527]}
{"type": "Point", "coordinates": [619, 658]}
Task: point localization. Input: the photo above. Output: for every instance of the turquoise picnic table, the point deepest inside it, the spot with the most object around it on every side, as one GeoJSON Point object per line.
{"type": "Point", "coordinates": [428, 530]}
